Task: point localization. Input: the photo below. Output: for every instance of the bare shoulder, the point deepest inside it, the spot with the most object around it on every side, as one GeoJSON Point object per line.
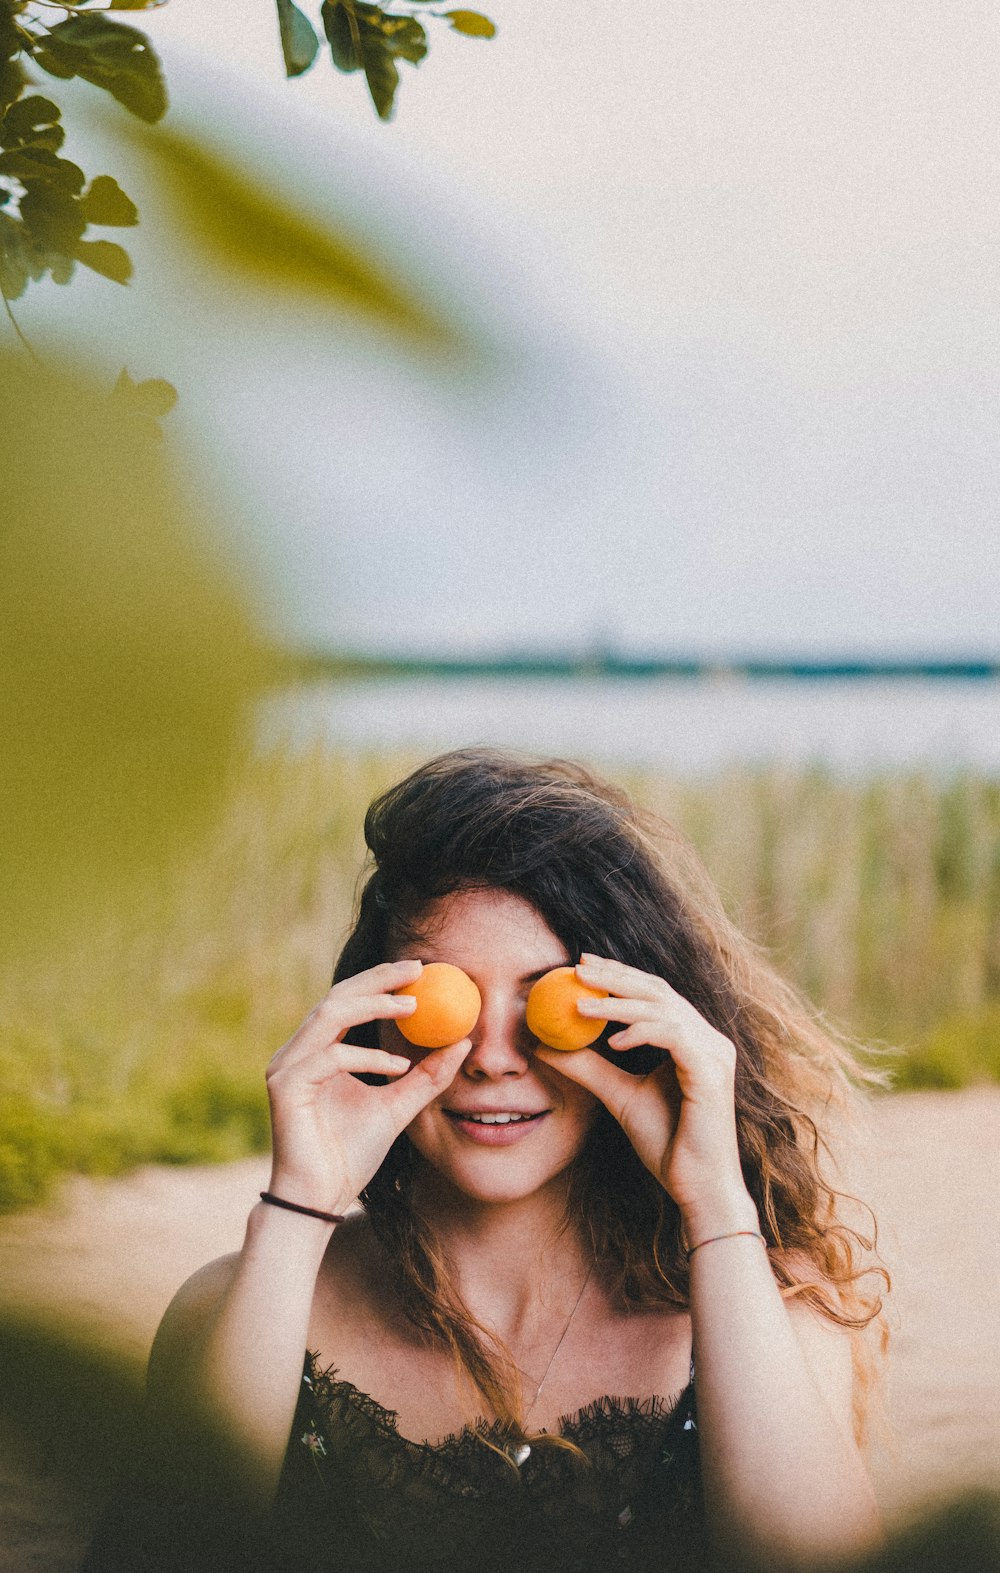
{"type": "Point", "coordinates": [357, 1322]}
{"type": "Point", "coordinates": [187, 1321]}
{"type": "Point", "coordinates": [354, 1271]}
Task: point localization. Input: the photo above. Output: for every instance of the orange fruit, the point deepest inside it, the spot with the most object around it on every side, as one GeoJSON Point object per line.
{"type": "Point", "coordinates": [552, 1015]}
{"type": "Point", "coordinates": [448, 1006]}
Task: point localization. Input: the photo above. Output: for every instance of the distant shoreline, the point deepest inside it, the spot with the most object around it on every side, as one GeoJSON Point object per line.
{"type": "Point", "coordinates": [316, 664]}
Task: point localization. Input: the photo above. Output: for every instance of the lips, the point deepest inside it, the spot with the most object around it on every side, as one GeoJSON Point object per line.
{"type": "Point", "coordinates": [495, 1127]}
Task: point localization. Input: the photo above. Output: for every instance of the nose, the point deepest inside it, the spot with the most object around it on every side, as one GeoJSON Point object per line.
{"type": "Point", "coordinates": [499, 1041]}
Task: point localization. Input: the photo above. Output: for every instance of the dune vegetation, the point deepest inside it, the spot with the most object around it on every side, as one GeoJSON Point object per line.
{"type": "Point", "coordinates": [146, 1041]}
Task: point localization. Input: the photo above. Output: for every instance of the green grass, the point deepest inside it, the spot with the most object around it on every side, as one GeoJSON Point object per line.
{"type": "Point", "coordinates": [147, 1042]}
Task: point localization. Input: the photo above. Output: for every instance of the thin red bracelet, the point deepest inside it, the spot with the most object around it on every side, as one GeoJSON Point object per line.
{"type": "Point", "coordinates": [296, 1207]}
{"type": "Point", "coordinates": [732, 1235]}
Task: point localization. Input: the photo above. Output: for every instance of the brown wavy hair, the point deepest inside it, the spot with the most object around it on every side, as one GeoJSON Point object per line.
{"type": "Point", "coordinates": [610, 879]}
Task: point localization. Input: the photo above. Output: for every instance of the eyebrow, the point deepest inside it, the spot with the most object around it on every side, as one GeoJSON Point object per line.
{"type": "Point", "coordinates": [526, 977]}
{"type": "Point", "coordinates": [533, 977]}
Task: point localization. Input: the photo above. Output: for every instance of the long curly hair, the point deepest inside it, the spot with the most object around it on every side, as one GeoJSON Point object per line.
{"type": "Point", "coordinates": [610, 879]}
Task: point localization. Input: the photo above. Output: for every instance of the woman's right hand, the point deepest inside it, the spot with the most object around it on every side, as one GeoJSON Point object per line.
{"type": "Point", "coordinates": [330, 1130]}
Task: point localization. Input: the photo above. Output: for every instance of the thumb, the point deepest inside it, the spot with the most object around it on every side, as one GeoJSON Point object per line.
{"type": "Point", "coordinates": [612, 1085]}
{"type": "Point", "coordinates": [425, 1080]}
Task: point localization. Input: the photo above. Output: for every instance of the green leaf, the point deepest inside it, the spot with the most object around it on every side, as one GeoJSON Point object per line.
{"type": "Point", "coordinates": [52, 62]}
{"type": "Point", "coordinates": [110, 55]}
{"type": "Point", "coordinates": [298, 39]}
{"type": "Point", "coordinates": [11, 37]}
{"type": "Point", "coordinates": [104, 257]}
{"type": "Point", "coordinates": [60, 267]}
{"type": "Point", "coordinates": [53, 218]}
{"type": "Point", "coordinates": [340, 36]}
{"type": "Point", "coordinates": [106, 203]}
{"type": "Point", "coordinates": [12, 82]}
{"type": "Point", "coordinates": [472, 24]}
{"type": "Point", "coordinates": [382, 78]}
{"type": "Point", "coordinates": [36, 165]}
{"type": "Point", "coordinates": [29, 121]}
{"type": "Point", "coordinates": [365, 35]}
{"type": "Point", "coordinates": [15, 258]}
{"type": "Point", "coordinates": [405, 37]}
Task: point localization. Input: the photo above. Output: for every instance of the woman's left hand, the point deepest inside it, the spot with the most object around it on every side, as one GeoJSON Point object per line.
{"type": "Point", "coordinates": [680, 1117]}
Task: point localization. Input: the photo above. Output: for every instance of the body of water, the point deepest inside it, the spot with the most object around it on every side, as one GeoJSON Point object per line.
{"type": "Point", "coordinates": [687, 725]}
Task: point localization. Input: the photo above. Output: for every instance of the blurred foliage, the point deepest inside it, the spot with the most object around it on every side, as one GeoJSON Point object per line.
{"type": "Point", "coordinates": [253, 234]}
{"type": "Point", "coordinates": [146, 1039]}
{"type": "Point", "coordinates": [959, 1050]}
{"type": "Point", "coordinates": [72, 1417]}
{"type": "Point", "coordinates": [71, 1407]}
{"type": "Point", "coordinates": [128, 650]}
{"type": "Point", "coordinates": [881, 897]}
{"type": "Point", "coordinates": [47, 208]}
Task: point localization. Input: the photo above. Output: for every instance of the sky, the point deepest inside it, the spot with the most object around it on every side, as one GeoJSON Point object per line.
{"type": "Point", "coordinates": [744, 265]}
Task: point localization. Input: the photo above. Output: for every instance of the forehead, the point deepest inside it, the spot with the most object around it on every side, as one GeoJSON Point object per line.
{"type": "Point", "coordinates": [479, 928]}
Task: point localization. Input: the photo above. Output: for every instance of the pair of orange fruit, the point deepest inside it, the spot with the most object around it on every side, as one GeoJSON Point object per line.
{"type": "Point", "coordinates": [448, 1006]}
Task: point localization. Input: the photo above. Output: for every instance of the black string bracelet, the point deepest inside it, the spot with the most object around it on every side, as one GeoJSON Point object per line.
{"type": "Point", "coordinates": [296, 1207]}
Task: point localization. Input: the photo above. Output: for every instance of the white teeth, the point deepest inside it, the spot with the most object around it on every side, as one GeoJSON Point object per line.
{"type": "Point", "coordinates": [494, 1119]}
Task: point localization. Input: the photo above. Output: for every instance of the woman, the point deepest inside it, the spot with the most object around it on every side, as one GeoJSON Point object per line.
{"type": "Point", "coordinates": [557, 1251]}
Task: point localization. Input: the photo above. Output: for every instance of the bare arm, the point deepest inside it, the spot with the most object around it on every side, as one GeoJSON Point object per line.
{"type": "Point", "coordinates": [782, 1472]}
{"type": "Point", "coordinates": [227, 1362]}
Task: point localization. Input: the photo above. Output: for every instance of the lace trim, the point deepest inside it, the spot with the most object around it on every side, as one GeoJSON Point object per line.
{"type": "Point", "coordinates": [591, 1421]}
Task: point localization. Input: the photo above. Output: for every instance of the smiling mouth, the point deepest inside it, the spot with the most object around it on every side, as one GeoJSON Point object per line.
{"type": "Point", "coordinates": [495, 1119]}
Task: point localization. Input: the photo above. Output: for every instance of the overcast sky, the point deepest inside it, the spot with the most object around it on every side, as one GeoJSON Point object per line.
{"type": "Point", "coordinates": [747, 257]}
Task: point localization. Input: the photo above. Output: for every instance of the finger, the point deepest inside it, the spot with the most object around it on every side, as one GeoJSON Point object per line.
{"type": "Point", "coordinates": [383, 978]}
{"type": "Point", "coordinates": [341, 1058]}
{"type": "Point", "coordinates": [428, 1078]}
{"type": "Point", "coordinates": [640, 1034]}
{"type": "Point", "coordinates": [614, 1008]}
{"type": "Point", "coordinates": [704, 1063]}
{"type": "Point", "coordinates": [338, 1014]}
{"type": "Point", "coordinates": [613, 1086]}
{"type": "Point", "coordinates": [356, 1058]}
{"type": "Point", "coordinates": [599, 972]}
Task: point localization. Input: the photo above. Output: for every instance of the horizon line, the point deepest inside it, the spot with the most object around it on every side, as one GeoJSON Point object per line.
{"type": "Point", "coordinates": [609, 663]}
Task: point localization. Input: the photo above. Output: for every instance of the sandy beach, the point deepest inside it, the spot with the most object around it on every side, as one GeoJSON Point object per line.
{"type": "Point", "coordinates": [107, 1256]}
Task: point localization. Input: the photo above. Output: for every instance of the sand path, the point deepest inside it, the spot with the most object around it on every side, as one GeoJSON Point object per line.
{"type": "Point", "coordinates": [110, 1255]}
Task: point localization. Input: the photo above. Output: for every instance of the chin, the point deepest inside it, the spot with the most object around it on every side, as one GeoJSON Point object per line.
{"type": "Point", "coordinates": [494, 1179]}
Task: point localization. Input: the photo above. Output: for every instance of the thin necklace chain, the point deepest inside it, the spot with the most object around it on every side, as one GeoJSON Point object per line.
{"type": "Point", "coordinates": [560, 1341]}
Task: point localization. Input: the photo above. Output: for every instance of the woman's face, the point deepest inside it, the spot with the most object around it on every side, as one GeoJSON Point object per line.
{"type": "Point", "coordinates": [505, 946]}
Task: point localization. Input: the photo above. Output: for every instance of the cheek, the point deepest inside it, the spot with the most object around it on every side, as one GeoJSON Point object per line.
{"type": "Point", "coordinates": [585, 1108]}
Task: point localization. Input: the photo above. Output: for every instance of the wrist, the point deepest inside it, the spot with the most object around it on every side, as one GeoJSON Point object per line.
{"type": "Point", "coordinates": [724, 1214]}
{"type": "Point", "coordinates": [299, 1207]}
{"type": "Point", "coordinates": [301, 1190]}
{"type": "Point", "coordinates": [291, 1230]}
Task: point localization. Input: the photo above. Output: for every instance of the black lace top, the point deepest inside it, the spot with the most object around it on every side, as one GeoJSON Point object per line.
{"type": "Point", "coordinates": [357, 1497]}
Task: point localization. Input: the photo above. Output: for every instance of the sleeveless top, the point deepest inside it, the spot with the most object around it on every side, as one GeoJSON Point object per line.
{"type": "Point", "coordinates": [357, 1497]}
